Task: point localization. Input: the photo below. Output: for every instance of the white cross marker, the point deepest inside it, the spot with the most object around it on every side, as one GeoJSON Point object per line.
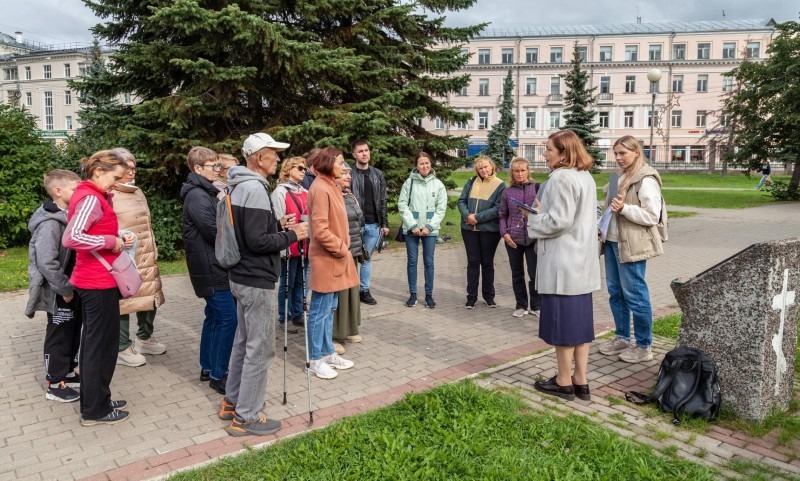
{"type": "Point", "coordinates": [781, 302]}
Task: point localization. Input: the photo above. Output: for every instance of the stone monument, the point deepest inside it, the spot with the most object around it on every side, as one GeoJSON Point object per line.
{"type": "Point", "coordinates": [743, 312]}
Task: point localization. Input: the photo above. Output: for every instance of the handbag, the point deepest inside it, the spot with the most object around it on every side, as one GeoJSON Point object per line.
{"type": "Point", "coordinates": [364, 250]}
{"type": "Point", "coordinates": [124, 273]}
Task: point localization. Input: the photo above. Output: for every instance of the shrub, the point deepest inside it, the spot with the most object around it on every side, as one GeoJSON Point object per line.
{"type": "Point", "coordinates": [780, 190]}
{"type": "Point", "coordinates": [166, 214]}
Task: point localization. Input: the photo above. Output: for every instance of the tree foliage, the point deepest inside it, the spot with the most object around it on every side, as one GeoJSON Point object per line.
{"type": "Point", "coordinates": [499, 135]}
{"type": "Point", "coordinates": [24, 158]}
{"type": "Point", "coordinates": [580, 117]}
{"type": "Point", "coordinates": [766, 109]}
{"type": "Point", "coordinates": [312, 73]}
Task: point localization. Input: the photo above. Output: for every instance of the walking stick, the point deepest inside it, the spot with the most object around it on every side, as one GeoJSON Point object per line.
{"type": "Point", "coordinates": [286, 320]}
{"type": "Point", "coordinates": [305, 327]}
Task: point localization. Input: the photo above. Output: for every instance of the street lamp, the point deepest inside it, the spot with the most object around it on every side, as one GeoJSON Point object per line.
{"type": "Point", "coordinates": [653, 76]}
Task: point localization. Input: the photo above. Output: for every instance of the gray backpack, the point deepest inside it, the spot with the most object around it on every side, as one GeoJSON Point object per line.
{"type": "Point", "coordinates": [226, 249]}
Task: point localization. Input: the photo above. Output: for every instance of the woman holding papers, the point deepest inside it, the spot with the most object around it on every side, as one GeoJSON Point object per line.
{"type": "Point", "coordinates": [568, 268]}
{"type": "Point", "coordinates": [631, 239]}
{"type": "Point", "coordinates": [521, 248]}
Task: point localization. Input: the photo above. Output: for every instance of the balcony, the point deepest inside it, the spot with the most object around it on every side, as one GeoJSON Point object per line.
{"type": "Point", "coordinates": [605, 98]}
{"type": "Point", "coordinates": [555, 99]}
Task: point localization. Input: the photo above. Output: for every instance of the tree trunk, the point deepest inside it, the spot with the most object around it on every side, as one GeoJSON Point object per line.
{"type": "Point", "coordinates": [793, 184]}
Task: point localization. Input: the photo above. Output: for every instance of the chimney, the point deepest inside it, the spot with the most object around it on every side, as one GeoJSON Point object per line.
{"type": "Point", "coordinates": [18, 37]}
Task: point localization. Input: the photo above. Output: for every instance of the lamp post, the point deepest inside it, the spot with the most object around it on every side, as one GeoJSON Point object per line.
{"type": "Point", "coordinates": [653, 76]}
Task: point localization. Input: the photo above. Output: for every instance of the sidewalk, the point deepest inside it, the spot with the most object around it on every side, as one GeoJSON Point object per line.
{"type": "Point", "coordinates": [173, 416]}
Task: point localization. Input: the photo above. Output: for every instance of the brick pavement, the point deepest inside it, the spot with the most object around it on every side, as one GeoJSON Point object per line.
{"type": "Point", "coordinates": [173, 422]}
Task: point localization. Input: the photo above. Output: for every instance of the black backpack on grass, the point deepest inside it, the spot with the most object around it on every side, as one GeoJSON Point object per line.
{"type": "Point", "coordinates": [687, 383]}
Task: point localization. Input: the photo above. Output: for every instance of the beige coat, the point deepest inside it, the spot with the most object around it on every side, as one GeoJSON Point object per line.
{"type": "Point", "coordinates": [637, 242]}
{"type": "Point", "coordinates": [133, 215]}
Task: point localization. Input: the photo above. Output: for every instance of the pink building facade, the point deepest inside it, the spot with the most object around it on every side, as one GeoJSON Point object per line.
{"type": "Point", "coordinates": [690, 129]}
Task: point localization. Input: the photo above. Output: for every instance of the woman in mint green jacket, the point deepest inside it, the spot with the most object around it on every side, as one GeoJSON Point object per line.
{"type": "Point", "coordinates": [422, 205]}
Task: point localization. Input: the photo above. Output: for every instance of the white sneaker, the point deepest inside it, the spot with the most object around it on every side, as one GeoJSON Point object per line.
{"type": "Point", "coordinates": [322, 370]}
{"type": "Point", "coordinates": [129, 357]}
{"type": "Point", "coordinates": [519, 313]}
{"type": "Point", "coordinates": [338, 348]}
{"type": "Point", "coordinates": [614, 346]}
{"type": "Point", "coordinates": [637, 354]}
{"type": "Point", "coordinates": [149, 346]}
{"type": "Point", "coordinates": [337, 362]}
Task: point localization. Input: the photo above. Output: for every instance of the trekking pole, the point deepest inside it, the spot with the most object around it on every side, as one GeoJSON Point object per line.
{"type": "Point", "coordinates": [286, 320]}
{"type": "Point", "coordinates": [305, 328]}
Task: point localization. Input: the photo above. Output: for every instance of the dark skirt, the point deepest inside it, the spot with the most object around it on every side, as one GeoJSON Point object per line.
{"type": "Point", "coordinates": [566, 320]}
{"type": "Point", "coordinates": [347, 317]}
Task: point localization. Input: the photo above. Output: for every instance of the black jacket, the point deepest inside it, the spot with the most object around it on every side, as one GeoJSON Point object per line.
{"type": "Point", "coordinates": [379, 189]}
{"type": "Point", "coordinates": [199, 234]}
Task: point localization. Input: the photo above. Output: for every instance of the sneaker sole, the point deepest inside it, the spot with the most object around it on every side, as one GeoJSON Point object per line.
{"type": "Point", "coordinates": [611, 353]}
{"type": "Point", "coordinates": [147, 351]}
{"type": "Point", "coordinates": [320, 376]}
{"type": "Point", "coordinates": [469, 307]}
{"type": "Point", "coordinates": [634, 361]}
{"type": "Point", "coordinates": [520, 315]}
{"type": "Point", "coordinates": [53, 397]}
{"type": "Point", "coordinates": [129, 364]}
{"type": "Point", "coordinates": [96, 422]}
{"type": "Point", "coordinates": [342, 368]}
{"type": "Point", "coordinates": [411, 305]}
{"type": "Point", "coordinates": [238, 432]}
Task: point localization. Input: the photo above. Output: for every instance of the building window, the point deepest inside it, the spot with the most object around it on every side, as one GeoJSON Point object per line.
{"type": "Point", "coordinates": [729, 50]}
{"type": "Point", "coordinates": [82, 69]}
{"type": "Point", "coordinates": [605, 85]}
{"type": "Point", "coordinates": [556, 54]}
{"type": "Point", "coordinates": [725, 121]}
{"type": "Point", "coordinates": [679, 153]}
{"type": "Point", "coordinates": [605, 53]}
{"type": "Point", "coordinates": [703, 51]}
{"type": "Point", "coordinates": [484, 56]}
{"type": "Point", "coordinates": [531, 55]}
{"type": "Point", "coordinates": [438, 124]}
{"type": "Point", "coordinates": [653, 117]}
{"type": "Point", "coordinates": [68, 122]}
{"type": "Point", "coordinates": [630, 84]}
{"type": "Point", "coordinates": [48, 71]}
{"type": "Point", "coordinates": [67, 97]}
{"type": "Point", "coordinates": [483, 120]}
{"type": "Point", "coordinates": [677, 83]}
{"type": "Point", "coordinates": [702, 83]}
{"type": "Point", "coordinates": [655, 52]}
{"type": "Point", "coordinates": [727, 83]}
{"type": "Point", "coordinates": [582, 53]}
{"type": "Point", "coordinates": [753, 49]}
{"type": "Point", "coordinates": [28, 99]}
{"type": "Point", "coordinates": [126, 97]}
{"type": "Point", "coordinates": [555, 120]}
{"type": "Point", "coordinates": [701, 118]}
{"type": "Point", "coordinates": [679, 51]}
{"type": "Point", "coordinates": [10, 73]}
{"type": "Point", "coordinates": [462, 125]}
{"type": "Point", "coordinates": [555, 85]}
{"type": "Point", "coordinates": [631, 53]}
{"type": "Point", "coordinates": [462, 92]}
{"type": "Point", "coordinates": [697, 154]}
{"type": "Point", "coordinates": [677, 118]}
{"type": "Point", "coordinates": [603, 120]}
{"type": "Point", "coordinates": [27, 73]}
{"type": "Point", "coordinates": [507, 55]}
{"type": "Point", "coordinates": [530, 86]}
{"type": "Point", "coordinates": [67, 70]}
{"type": "Point", "coordinates": [628, 119]}
{"type": "Point", "coordinates": [48, 110]}
{"type": "Point", "coordinates": [530, 120]}
{"type": "Point", "coordinates": [483, 86]}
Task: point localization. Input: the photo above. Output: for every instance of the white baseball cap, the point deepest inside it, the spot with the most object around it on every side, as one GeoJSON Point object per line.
{"type": "Point", "coordinates": [259, 141]}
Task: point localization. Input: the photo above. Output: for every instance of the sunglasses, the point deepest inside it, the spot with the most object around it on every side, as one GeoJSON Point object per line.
{"type": "Point", "coordinates": [300, 168]}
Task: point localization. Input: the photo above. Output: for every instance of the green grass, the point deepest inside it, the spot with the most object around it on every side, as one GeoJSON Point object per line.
{"type": "Point", "coordinates": [753, 471]}
{"type": "Point", "coordinates": [14, 269]}
{"type": "Point", "coordinates": [668, 325]}
{"type": "Point", "coordinates": [454, 432]}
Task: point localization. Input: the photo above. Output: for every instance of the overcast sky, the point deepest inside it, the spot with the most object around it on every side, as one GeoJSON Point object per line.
{"type": "Point", "coordinates": [66, 21]}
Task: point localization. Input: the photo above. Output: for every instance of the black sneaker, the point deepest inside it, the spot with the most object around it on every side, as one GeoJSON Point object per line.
{"type": "Point", "coordinates": [114, 417]}
{"type": "Point", "coordinates": [62, 393]}
{"type": "Point", "coordinates": [490, 303]}
{"type": "Point", "coordinates": [204, 375]}
{"type": "Point", "coordinates": [219, 384]}
{"type": "Point", "coordinates": [262, 427]}
{"type": "Point", "coordinates": [119, 404]}
{"type": "Point", "coordinates": [367, 298]}
{"type": "Point", "coordinates": [470, 304]}
{"type": "Point", "coordinates": [429, 302]}
{"type": "Point", "coordinates": [412, 300]}
{"type": "Point", "coordinates": [73, 380]}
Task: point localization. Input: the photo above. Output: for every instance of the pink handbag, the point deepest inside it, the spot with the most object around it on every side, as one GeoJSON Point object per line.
{"type": "Point", "coordinates": [124, 273]}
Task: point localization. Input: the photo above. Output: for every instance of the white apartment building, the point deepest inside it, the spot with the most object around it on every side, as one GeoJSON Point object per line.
{"type": "Point", "coordinates": [693, 58]}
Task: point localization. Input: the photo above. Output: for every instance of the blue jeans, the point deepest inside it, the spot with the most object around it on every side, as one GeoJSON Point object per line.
{"type": "Point", "coordinates": [371, 232]}
{"type": "Point", "coordinates": [320, 324]}
{"type": "Point", "coordinates": [761, 182]}
{"type": "Point", "coordinates": [216, 339]}
{"type": "Point", "coordinates": [295, 291]}
{"type": "Point", "coordinates": [628, 293]}
{"type": "Point", "coordinates": [412, 251]}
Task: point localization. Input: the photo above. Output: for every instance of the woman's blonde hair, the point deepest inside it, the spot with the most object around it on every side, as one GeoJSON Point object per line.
{"type": "Point", "coordinates": [288, 165]}
{"type": "Point", "coordinates": [484, 158]}
{"type": "Point", "coordinates": [575, 154]}
{"type": "Point", "coordinates": [628, 142]}
{"type": "Point", "coordinates": [518, 161]}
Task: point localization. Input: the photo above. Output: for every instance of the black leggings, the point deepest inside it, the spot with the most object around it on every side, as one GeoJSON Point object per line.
{"type": "Point", "coordinates": [99, 344]}
{"type": "Point", "coordinates": [481, 247]}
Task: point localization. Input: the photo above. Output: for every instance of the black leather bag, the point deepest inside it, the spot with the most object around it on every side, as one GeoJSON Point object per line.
{"type": "Point", "coordinates": [687, 383]}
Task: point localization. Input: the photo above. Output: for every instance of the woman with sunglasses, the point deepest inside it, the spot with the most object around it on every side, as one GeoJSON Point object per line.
{"type": "Point", "coordinates": [289, 197]}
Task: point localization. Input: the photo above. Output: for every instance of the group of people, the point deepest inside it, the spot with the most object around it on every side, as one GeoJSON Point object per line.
{"type": "Point", "coordinates": [315, 233]}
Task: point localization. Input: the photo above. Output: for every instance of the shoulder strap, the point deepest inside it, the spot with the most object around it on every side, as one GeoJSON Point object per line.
{"type": "Point", "coordinates": [102, 261]}
{"type": "Point", "coordinates": [294, 199]}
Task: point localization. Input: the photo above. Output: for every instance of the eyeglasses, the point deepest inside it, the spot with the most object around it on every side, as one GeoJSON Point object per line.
{"type": "Point", "coordinates": [300, 168]}
{"type": "Point", "coordinates": [214, 167]}
{"type": "Point", "coordinates": [132, 171]}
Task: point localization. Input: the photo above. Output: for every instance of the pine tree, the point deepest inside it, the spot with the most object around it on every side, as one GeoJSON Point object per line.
{"type": "Point", "coordinates": [498, 137]}
{"type": "Point", "coordinates": [312, 73]}
{"type": "Point", "coordinates": [580, 117]}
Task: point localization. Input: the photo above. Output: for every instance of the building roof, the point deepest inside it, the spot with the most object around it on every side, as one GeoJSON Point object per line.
{"type": "Point", "coordinates": [628, 28]}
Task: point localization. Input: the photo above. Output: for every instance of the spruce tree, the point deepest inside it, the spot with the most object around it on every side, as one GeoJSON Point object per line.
{"type": "Point", "coordinates": [580, 117]}
{"type": "Point", "coordinates": [312, 73]}
{"type": "Point", "coordinates": [499, 135]}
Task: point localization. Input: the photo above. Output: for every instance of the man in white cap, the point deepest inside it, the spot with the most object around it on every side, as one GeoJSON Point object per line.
{"type": "Point", "coordinates": [261, 238]}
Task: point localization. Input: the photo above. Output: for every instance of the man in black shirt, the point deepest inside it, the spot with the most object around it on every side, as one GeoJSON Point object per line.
{"type": "Point", "coordinates": [369, 187]}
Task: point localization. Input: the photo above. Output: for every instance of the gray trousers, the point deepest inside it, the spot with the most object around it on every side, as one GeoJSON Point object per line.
{"type": "Point", "coordinates": [253, 349]}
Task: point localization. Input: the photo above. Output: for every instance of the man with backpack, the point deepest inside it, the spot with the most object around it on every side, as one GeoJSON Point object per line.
{"type": "Point", "coordinates": [260, 238]}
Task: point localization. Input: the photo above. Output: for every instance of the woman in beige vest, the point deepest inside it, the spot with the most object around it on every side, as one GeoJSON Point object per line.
{"type": "Point", "coordinates": [632, 238]}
